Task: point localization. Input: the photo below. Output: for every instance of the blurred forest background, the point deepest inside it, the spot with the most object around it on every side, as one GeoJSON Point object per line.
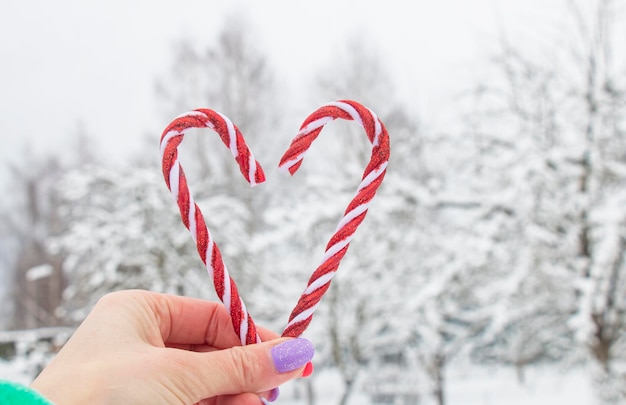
{"type": "Point", "coordinates": [496, 240]}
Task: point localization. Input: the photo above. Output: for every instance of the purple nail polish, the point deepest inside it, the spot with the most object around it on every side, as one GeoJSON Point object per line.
{"type": "Point", "coordinates": [292, 354]}
{"type": "Point", "coordinates": [273, 395]}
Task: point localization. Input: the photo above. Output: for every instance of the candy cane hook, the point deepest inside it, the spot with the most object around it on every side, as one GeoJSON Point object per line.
{"type": "Point", "coordinates": [355, 212]}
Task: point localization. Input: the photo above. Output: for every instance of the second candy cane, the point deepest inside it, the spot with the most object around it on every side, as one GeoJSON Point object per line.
{"type": "Point", "coordinates": [357, 209]}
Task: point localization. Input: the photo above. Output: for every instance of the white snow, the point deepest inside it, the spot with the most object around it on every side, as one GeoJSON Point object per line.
{"type": "Point", "coordinates": [471, 385]}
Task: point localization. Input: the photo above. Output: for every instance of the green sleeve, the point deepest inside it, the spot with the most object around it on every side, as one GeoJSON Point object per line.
{"type": "Point", "coordinates": [15, 394]}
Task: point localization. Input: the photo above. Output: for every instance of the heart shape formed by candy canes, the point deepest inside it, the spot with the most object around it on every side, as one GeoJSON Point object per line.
{"type": "Point", "coordinates": [251, 170]}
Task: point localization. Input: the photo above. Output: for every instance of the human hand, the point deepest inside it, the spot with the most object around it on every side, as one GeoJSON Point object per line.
{"type": "Point", "coordinates": [140, 347]}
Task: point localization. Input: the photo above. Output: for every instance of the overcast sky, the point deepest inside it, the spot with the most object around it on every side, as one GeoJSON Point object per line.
{"type": "Point", "coordinates": [96, 62]}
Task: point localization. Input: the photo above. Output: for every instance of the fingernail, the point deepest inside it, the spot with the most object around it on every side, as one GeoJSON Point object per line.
{"type": "Point", "coordinates": [273, 395]}
{"type": "Point", "coordinates": [308, 370]}
{"type": "Point", "coordinates": [292, 354]}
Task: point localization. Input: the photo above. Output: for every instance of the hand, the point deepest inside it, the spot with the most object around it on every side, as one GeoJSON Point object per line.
{"type": "Point", "coordinates": [139, 347]}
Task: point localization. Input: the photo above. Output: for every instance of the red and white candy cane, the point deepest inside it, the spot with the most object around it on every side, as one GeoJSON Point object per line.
{"type": "Point", "coordinates": [192, 216]}
{"type": "Point", "coordinates": [357, 209]}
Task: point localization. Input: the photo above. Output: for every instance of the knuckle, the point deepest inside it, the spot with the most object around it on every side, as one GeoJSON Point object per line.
{"type": "Point", "coordinates": [247, 368]}
{"type": "Point", "coordinates": [121, 297]}
{"type": "Point", "coordinates": [112, 298]}
{"type": "Point", "coordinates": [115, 295]}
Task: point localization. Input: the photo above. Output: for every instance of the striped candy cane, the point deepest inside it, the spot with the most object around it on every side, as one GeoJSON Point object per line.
{"type": "Point", "coordinates": [192, 216]}
{"type": "Point", "coordinates": [357, 209]}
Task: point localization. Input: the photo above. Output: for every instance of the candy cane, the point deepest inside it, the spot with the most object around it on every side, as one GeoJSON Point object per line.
{"type": "Point", "coordinates": [357, 209]}
{"type": "Point", "coordinates": [192, 216]}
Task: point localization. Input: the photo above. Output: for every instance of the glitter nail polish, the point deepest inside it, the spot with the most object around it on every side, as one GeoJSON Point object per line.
{"type": "Point", "coordinates": [292, 354]}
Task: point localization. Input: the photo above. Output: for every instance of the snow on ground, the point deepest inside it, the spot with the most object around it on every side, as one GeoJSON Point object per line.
{"type": "Point", "coordinates": [472, 386]}
{"type": "Point", "coordinates": [482, 386]}
{"type": "Point", "coordinates": [16, 370]}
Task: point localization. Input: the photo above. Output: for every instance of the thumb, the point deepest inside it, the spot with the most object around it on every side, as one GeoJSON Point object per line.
{"type": "Point", "coordinates": [252, 368]}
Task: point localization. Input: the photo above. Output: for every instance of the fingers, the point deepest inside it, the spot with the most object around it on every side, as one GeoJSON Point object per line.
{"type": "Point", "coordinates": [264, 333]}
{"type": "Point", "coordinates": [241, 369]}
{"type": "Point", "coordinates": [186, 322]}
{"type": "Point", "coordinates": [180, 322]}
{"type": "Point", "coordinates": [213, 363]}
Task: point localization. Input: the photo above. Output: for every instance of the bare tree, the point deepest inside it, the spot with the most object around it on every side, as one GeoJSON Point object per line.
{"type": "Point", "coordinates": [232, 76]}
{"type": "Point", "coordinates": [29, 219]}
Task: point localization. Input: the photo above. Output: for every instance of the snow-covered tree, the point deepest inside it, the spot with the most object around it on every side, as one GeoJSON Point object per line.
{"type": "Point", "coordinates": [557, 130]}
{"type": "Point", "coordinates": [123, 231]}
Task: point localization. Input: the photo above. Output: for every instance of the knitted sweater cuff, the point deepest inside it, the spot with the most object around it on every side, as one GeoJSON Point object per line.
{"type": "Point", "coordinates": [13, 394]}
